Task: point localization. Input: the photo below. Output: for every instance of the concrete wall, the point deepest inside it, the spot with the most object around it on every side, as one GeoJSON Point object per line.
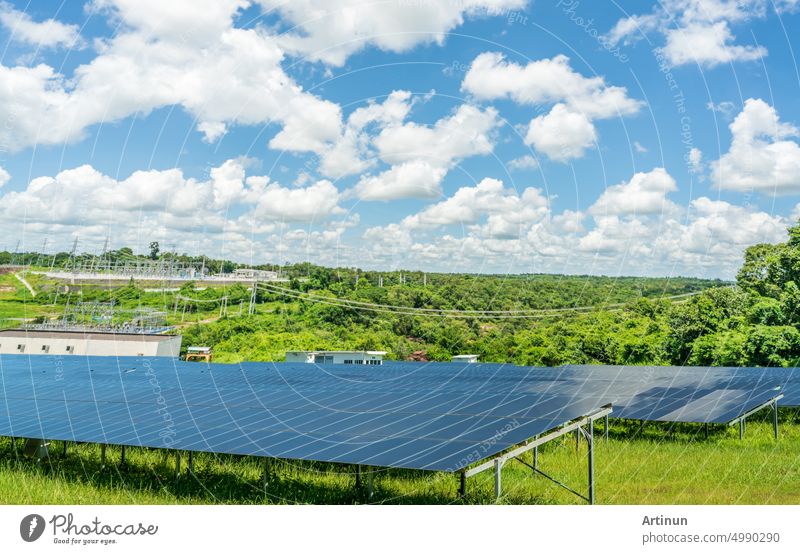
{"type": "Point", "coordinates": [81, 346]}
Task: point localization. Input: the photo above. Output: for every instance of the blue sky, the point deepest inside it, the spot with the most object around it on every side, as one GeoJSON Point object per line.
{"type": "Point", "coordinates": [463, 135]}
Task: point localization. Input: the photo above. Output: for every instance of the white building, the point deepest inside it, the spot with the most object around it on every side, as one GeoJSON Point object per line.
{"type": "Point", "coordinates": [466, 358]}
{"type": "Point", "coordinates": [356, 357]}
{"type": "Point", "coordinates": [66, 343]}
{"type": "Point", "coordinates": [249, 273]}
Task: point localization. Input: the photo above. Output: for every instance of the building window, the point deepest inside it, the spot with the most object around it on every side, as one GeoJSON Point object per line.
{"type": "Point", "coordinates": [348, 361]}
{"type": "Point", "coordinates": [374, 362]}
{"type": "Point", "coordinates": [21, 347]}
{"type": "Point", "coordinates": [45, 348]}
{"type": "Point", "coordinates": [70, 349]}
{"type": "Point", "coordinates": [360, 362]}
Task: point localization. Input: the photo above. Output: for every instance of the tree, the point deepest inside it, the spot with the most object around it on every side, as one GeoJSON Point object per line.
{"type": "Point", "coordinates": [154, 249]}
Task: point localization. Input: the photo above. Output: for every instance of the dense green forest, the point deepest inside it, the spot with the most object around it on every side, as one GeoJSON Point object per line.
{"type": "Point", "coordinates": [524, 319]}
{"type": "Point", "coordinates": [754, 322]}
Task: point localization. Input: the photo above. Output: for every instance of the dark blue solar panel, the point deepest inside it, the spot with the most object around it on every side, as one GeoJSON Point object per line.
{"type": "Point", "coordinates": [687, 394]}
{"type": "Point", "coordinates": [423, 416]}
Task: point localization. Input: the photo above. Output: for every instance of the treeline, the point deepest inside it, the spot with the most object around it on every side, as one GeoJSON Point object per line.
{"type": "Point", "coordinates": [754, 322]}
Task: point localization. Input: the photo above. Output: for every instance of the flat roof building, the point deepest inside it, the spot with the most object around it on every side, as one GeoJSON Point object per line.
{"type": "Point", "coordinates": [356, 357]}
{"type": "Point", "coordinates": [85, 343]}
{"type": "Point", "coordinates": [468, 358]}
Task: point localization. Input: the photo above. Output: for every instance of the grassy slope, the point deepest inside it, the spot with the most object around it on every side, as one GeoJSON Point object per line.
{"type": "Point", "coordinates": [655, 468]}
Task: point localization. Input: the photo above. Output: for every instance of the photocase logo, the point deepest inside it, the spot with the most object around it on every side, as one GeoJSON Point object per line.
{"type": "Point", "coordinates": [31, 527]}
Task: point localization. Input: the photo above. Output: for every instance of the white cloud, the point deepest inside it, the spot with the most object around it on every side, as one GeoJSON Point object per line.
{"type": "Point", "coordinates": [49, 33]}
{"type": "Point", "coordinates": [639, 148]}
{"type": "Point", "coordinates": [567, 131]}
{"type": "Point", "coordinates": [330, 32]}
{"type": "Point", "coordinates": [181, 53]}
{"type": "Point", "coordinates": [311, 203]}
{"type": "Point", "coordinates": [421, 156]}
{"type": "Point", "coordinates": [562, 134]}
{"type": "Point", "coordinates": [645, 193]}
{"type": "Point", "coordinates": [151, 202]}
{"type": "Point", "coordinates": [707, 44]}
{"type": "Point", "coordinates": [546, 81]}
{"type": "Point", "coordinates": [760, 158]}
{"type": "Point", "coordinates": [633, 229]}
{"type": "Point", "coordinates": [467, 132]}
{"type": "Point", "coordinates": [412, 179]}
{"type": "Point", "coordinates": [5, 177]}
{"type": "Point", "coordinates": [696, 31]}
{"type": "Point", "coordinates": [523, 163]}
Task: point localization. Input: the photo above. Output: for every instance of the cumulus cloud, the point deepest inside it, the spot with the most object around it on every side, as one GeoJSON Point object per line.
{"type": "Point", "coordinates": [708, 44]}
{"type": "Point", "coordinates": [420, 156]}
{"type": "Point", "coordinates": [567, 131]}
{"type": "Point", "coordinates": [85, 201]}
{"type": "Point", "coordinates": [562, 134]}
{"type": "Point", "coordinates": [761, 156]}
{"type": "Point", "coordinates": [631, 229]}
{"type": "Point", "coordinates": [49, 33]}
{"type": "Point", "coordinates": [695, 31]}
{"type": "Point", "coordinates": [330, 32]}
{"type": "Point", "coordinates": [546, 81]}
{"type": "Point", "coordinates": [5, 177]}
{"type": "Point", "coordinates": [523, 163]}
{"type": "Point", "coordinates": [644, 193]}
{"type": "Point", "coordinates": [180, 53]}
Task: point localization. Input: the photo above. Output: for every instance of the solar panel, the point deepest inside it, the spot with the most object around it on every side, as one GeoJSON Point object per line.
{"type": "Point", "coordinates": [417, 417]}
{"type": "Point", "coordinates": [687, 394]}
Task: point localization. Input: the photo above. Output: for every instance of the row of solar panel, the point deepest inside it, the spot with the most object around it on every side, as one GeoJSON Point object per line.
{"type": "Point", "coordinates": [424, 416]}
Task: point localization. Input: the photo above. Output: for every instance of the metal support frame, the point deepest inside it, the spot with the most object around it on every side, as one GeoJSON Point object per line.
{"type": "Point", "coordinates": [64, 450]}
{"type": "Point", "coordinates": [102, 455]}
{"type": "Point", "coordinates": [358, 476]}
{"type": "Point", "coordinates": [122, 456]}
{"type": "Point", "coordinates": [177, 464]}
{"type": "Point", "coordinates": [190, 465]}
{"type": "Point", "coordinates": [370, 483]}
{"type": "Point", "coordinates": [775, 419]}
{"type": "Point", "coordinates": [742, 419]}
{"type": "Point", "coordinates": [462, 485]}
{"type": "Point", "coordinates": [605, 427]}
{"type": "Point", "coordinates": [497, 462]}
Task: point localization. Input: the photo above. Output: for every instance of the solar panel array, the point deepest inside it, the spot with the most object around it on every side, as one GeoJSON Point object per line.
{"type": "Point", "coordinates": [432, 416]}
{"type": "Point", "coordinates": [408, 417]}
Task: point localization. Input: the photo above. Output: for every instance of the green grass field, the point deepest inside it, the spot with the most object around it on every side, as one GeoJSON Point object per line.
{"type": "Point", "coordinates": [660, 465]}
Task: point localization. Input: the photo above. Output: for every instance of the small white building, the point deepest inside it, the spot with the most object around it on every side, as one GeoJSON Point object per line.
{"type": "Point", "coordinates": [356, 357]}
{"type": "Point", "coordinates": [81, 343]}
{"type": "Point", "coordinates": [249, 273]}
{"type": "Point", "coordinates": [466, 358]}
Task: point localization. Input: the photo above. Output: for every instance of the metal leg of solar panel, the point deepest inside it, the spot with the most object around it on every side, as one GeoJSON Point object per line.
{"type": "Point", "coordinates": [122, 456]}
{"type": "Point", "coordinates": [775, 419]}
{"type": "Point", "coordinates": [102, 455]}
{"type": "Point", "coordinates": [177, 464]}
{"type": "Point", "coordinates": [590, 441]}
{"type": "Point", "coordinates": [64, 450]}
{"type": "Point", "coordinates": [190, 466]}
{"type": "Point", "coordinates": [498, 473]}
{"type": "Point", "coordinates": [605, 427]}
{"type": "Point", "coordinates": [370, 483]}
{"type": "Point", "coordinates": [358, 476]}
{"type": "Point", "coordinates": [462, 486]}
